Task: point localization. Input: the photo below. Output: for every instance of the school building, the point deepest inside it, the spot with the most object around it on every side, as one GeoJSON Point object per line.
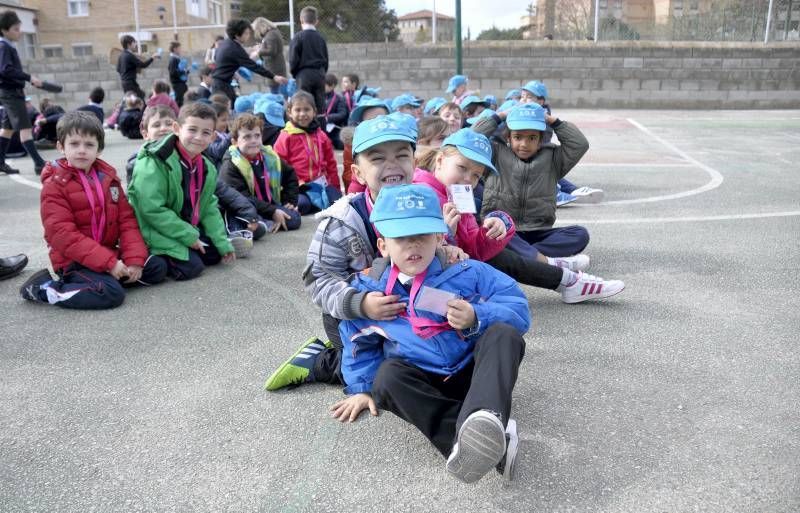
{"type": "Point", "coordinates": [74, 28]}
{"type": "Point", "coordinates": [417, 27]}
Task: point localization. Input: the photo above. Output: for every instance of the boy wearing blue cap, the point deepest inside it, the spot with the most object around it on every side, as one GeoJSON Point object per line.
{"type": "Point", "coordinates": [457, 86]}
{"type": "Point", "coordinates": [433, 105]}
{"type": "Point", "coordinates": [407, 104]}
{"type": "Point", "coordinates": [345, 243]}
{"type": "Point", "coordinates": [458, 394]}
{"type": "Point", "coordinates": [472, 106]}
{"type": "Point", "coordinates": [368, 108]}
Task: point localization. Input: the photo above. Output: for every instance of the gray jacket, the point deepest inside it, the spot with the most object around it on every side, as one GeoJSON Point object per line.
{"type": "Point", "coordinates": [340, 248]}
{"type": "Point", "coordinates": [527, 190]}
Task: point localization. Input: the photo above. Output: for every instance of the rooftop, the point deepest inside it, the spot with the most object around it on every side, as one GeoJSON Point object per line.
{"type": "Point", "coordinates": [424, 14]}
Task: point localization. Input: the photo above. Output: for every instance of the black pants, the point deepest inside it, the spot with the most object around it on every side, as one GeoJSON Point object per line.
{"type": "Point", "coordinates": [328, 367]}
{"type": "Point", "coordinates": [218, 86]}
{"type": "Point", "coordinates": [528, 271]}
{"type": "Point", "coordinates": [313, 82]}
{"type": "Point", "coordinates": [437, 405]}
{"type": "Point", "coordinates": [189, 269]}
{"type": "Point", "coordinates": [180, 89]}
{"type": "Point", "coordinates": [133, 86]}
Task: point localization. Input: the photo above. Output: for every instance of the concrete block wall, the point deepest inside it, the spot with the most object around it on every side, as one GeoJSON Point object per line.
{"type": "Point", "coordinates": [583, 74]}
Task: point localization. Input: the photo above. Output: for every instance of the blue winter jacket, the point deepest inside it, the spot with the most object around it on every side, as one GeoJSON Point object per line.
{"type": "Point", "coordinates": [367, 343]}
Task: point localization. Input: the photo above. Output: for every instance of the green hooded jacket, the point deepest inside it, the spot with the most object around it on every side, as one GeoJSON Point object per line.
{"type": "Point", "coordinates": [156, 195]}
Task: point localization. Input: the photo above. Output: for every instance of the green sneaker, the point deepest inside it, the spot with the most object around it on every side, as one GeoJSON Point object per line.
{"type": "Point", "coordinates": [299, 368]}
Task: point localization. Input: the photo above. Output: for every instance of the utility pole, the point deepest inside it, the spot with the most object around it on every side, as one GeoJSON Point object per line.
{"type": "Point", "coordinates": [769, 20]}
{"type": "Point", "coordinates": [788, 21]}
{"type": "Point", "coordinates": [458, 38]}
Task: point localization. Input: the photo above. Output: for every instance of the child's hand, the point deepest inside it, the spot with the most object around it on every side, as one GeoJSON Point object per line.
{"type": "Point", "coordinates": [347, 410]}
{"type": "Point", "coordinates": [198, 246]}
{"type": "Point", "coordinates": [119, 270]}
{"type": "Point", "coordinates": [279, 218]}
{"type": "Point", "coordinates": [229, 258]}
{"type": "Point", "coordinates": [378, 307]}
{"type": "Point", "coordinates": [454, 254]}
{"type": "Point", "coordinates": [280, 79]}
{"type": "Point", "coordinates": [290, 206]}
{"type": "Point", "coordinates": [495, 228]}
{"type": "Point", "coordinates": [134, 274]}
{"type": "Point", "coordinates": [253, 226]}
{"type": "Point", "coordinates": [460, 314]}
{"type": "Point", "coordinates": [549, 119]}
{"type": "Point", "coordinates": [451, 216]}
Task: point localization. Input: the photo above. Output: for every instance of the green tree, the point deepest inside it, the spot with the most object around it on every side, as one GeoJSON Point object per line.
{"type": "Point", "coordinates": [340, 21]}
{"type": "Point", "coordinates": [496, 34]}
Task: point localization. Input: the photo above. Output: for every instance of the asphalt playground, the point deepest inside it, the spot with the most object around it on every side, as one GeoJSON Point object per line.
{"type": "Point", "coordinates": [680, 394]}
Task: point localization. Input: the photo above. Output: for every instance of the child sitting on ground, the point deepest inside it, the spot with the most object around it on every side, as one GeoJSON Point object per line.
{"type": "Point", "coordinates": [204, 89]}
{"type": "Point", "coordinates": [172, 193]}
{"type": "Point", "coordinates": [258, 173]}
{"type": "Point", "coordinates": [451, 113]}
{"type": "Point", "coordinates": [95, 105]}
{"type": "Point", "coordinates": [432, 131]}
{"type": "Point", "coordinates": [336, 111]}
{"type": "Point", "coordinates": [130, 119]}
{"type": "Point", "coordinates": [447, 366]}
{"type": "Point", "coordinates": [160, 96]}
{"type": "Point", "coordinates": [90, 228]}
{"type": "Point", "coordinates": [222, 139]}
{"type": "Point", "coordinates": [350, 83]}
{"type": "Point", "coordinates": [272, 116]}
{"type": "Point", "coordinates": [44, 127]}
{"type": "Point", "coordinates": [304, 145]}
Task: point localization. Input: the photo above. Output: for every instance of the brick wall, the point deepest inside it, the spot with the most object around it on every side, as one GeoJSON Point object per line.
{"type": "Point", "coordinates": [579, 74]}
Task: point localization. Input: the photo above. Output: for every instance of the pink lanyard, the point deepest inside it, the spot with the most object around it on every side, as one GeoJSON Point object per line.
{"type": "Point", "coordinates": [330, 106]}
{"type": "Point", "coordinates": [422, 326]}
{"type": "Point", "coordinates": [348, 96]}
{"type": "Point", "coordinates": [98, 226]}
{"type": "Point", "coordinates": [314, 159]}
{"type": "Point", "coordinates": [196, 178]}
{"type": "Point", "coordinates": [264, 174]}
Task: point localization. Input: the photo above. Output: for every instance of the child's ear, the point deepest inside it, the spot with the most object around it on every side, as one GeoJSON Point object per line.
{"type": "Point", "coordinates": [382, 247]}
{"type": "Point", "coordinates": [60, 147]}
{"type": "Point", "coordinates": [143, 131]}
{"type": "Point", "coordinates": [439, 239]}
{"type": "Point", "coordinates": [176, 128]}
{"type": "Point", "coordinates": [357, 173]}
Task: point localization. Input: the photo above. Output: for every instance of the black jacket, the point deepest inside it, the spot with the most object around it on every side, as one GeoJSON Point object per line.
{"type": "Point", "coordinates": [308, 50]}
{"type": "Point", "coordinates": [128, 64]}
{"type": "Point", "coordinates": [129, 122]}
{"type": "Point", "coordinates": [176, 76]}
{"type": "Point", "coordinates": [11, 74]}
{"type": "Point", "coordinates": [229, 57]}
{"type": "Point", "coordinates": [338, 110]}
{"type": "Point", "coordinates": [94, 109]}
{"type": "Point", "coordinates": [290, 189]}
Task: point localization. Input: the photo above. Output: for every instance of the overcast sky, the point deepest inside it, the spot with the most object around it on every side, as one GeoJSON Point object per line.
{"type": "Point", "coordinates": [478, 15]}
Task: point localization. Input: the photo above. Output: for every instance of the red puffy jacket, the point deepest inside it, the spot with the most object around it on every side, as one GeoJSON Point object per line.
{"type": "Point", "coordinates": [67, 220]}
{"type": "Point", "coordinates": [311, 155]}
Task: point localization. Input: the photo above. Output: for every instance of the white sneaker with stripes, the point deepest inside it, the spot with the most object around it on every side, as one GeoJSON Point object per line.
{"type": "Point", "coordinates": [588, 287]}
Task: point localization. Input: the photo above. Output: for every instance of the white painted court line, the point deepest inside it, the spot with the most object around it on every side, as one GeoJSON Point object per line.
{"type": "Point", "coordinates": [687, 219]}
{"type": "Point", "coordinates": [25, 181]}
{"type": "Point", "coordinates": [634, 164]}
{"type": "Point", "coordinates": [716, 176]}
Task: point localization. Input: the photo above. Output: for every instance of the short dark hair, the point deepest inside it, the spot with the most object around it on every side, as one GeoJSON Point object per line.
{"type": "Point", "coordinates": [82, 123]}
{"type": "Point", "coordinates": [173, 45]}
{"type": "Point", "coordinates": [206, 71]}
{"type": "Point", "coordinates": [8, 19]}
{"type": "Point", "coordinates": [191, 96]}
{"type": "Point", "coordinates": [308, 14]}
{"type": "Point", "coordinates": [160, 86]}
{"type": "Point", "coordinates": [126, 41]}
{"type": "Point", "coordinates": [331, 80]}
{"type": "Point", "coordinates": [220, 109]}
{"type": "Point", "coordinates": [352, 77]}
{"type": "Point", "coordinates": [97, 95]}
{"type": "Point", "coordinates": [162, 111]}
{"type": "Point", "coordinates": [302, 96]}
{"type": "Point", "coordinates": [247, 121]}
{"type": "Point", "coordinates": [236, 27]}
{"type": "Point", "coordinates": [220, 98]}
{"type": "Point", "coordinates": [197, 110]}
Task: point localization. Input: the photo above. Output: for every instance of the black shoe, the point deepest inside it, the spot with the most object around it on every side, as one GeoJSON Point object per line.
{"type": "Point", "coordinates": [33, 285]}
{"type": "Point", "coordinates": [37, 168]}
{"type": "Point", "coordinates": [5, 168]}
{"type": "Point", "coordinates": [12, 266]}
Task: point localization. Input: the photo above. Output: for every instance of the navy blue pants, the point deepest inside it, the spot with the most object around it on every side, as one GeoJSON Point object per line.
{"type": "Point", "coordinates": [81, 288]}
{"type": "Point", "coordinates": [305, 206]}
{"type": "Point", "coordinates": [567, 186]}
{"type": "Point", "coordinates": [193, 267]}
{"type": "Point", "coordinates": [558, 242]}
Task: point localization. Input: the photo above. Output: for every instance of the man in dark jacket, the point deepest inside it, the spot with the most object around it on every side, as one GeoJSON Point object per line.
{"type": "Point", "coordinates": [308, 57]}
{"type": "Point", "coordinates": [128, 65]}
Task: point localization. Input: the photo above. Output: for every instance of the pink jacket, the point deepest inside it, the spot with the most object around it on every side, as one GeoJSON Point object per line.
{"type": "Point", "coordinates": [163, 99]}
{"type": "Point", "coordinates": [470, 236]}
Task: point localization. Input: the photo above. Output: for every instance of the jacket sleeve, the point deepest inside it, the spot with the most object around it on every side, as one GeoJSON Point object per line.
{"type": "Point", "coordinates": [234, 202]}
{"type": "Point", "coordinates": [63, 235]}
{"type": "Point", "coordinates": [229, 174]}
{"type": "Point", "coordinates": [245, 61]}
{"type": "Point", "coordinates": [473, 240]}
{"type": "Point", "coordinates": [501, 301]}
{"type": "Point", "coordinates": [362, 355]}
{"type": "Point", "coordinates": [573, 146]}
{"type": "Point", "coordinates": [132, 249]}
{"type": "Point", "coordinates": [7, 69]}
{"type": "Point", "coordinates": [487, 125]}
{"type": "Point", "coordinates": [143, 63]}
{"type": "Point", "coordinates": [149, 199]}
{"type": "Point", "coordinates": [295, 54]}
{"type": "Point", "coordinates": [328, 273]}
{"type": "Point", "coordinates": [290, 189]}
{"type": "Point", "coordinates": [331, 167]}
{"type": "Point", "coordinates": [281, 146]}
{"type": "Point", "coordinates": [210, 217]}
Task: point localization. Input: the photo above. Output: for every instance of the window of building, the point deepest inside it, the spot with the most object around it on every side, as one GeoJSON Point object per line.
{"type": "Point", "coordinates": [216, 12]}
{"type": "Point", "coordinates": [81, 49]}
{"type": "Point", "coordinates": [77, 8]}
{"type": "Point", "coordinates": [51, 52]}
{"type": "Point", "coordinates": [197, 8]}
{"type": "Point", "coordinates": [27, 49]}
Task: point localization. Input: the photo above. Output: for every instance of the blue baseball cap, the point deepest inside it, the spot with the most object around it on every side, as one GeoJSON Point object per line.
{"type": "Point", "coordinates": [405, 210]}
{"type": "Point", "coordinates": [433, 106]}
{"type": "Point", "coordinates": [394, 127]}
{"type": "Point", "coordinates": [364, 104]}
{"type": "Point", "coordinates": [512, 94]}
{"type": "Point", "coordinates": [490, 99]}
{"type": "Point", "coordinates": [485, 113]}
{"type": "Point", "coordinates": [536, 88]}
{"type": "Point", "coordinates": [365, 92]}
{"type": "Point", "coordinates": [403, 100]}
{"type": "Point", "coordinates": [272, 111]}
{"type": "Point", "coordinates": [243, 104]}
{"type": "Point", "coordinates": [455, 81]}
{"type": "Point", "coordinates": [469, 100]}
{"type": "Point", "coordinates": [277, 98]}
{"type": "Point", "coordinates": [528, 116]}
{"type": "Point", "coordinates": [472, 145]}
{"type": "Point", "coordinates": [507, 105]}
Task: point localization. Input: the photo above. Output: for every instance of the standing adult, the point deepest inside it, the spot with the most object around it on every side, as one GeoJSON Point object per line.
{"type": "Point", "coordinates": [271, 49]}
{"type": "Point", "coordinates": [128, 65]}
{"type": "Point", "coordinates": [231, 55]}
{"type": "Point", "coordinates": [12, 94]}
{"type": "Point", "coordinates": [308, 57]}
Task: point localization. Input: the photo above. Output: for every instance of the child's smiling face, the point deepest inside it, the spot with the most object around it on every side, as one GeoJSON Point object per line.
{"type": "Point", "coordinates": [388, 163]}
{"type": "Point", "coordinates": [525, 143]}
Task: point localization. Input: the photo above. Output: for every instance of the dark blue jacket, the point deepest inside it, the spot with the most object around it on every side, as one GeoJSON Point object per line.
{"type": "Point", "coordinates": [11, 74]}
{"type": "Point", "coordinates": [94, 109]}
{"type": "Point", "coordinates": [128, 64]}
{"type": "Point", "coordinates": [308, 50]}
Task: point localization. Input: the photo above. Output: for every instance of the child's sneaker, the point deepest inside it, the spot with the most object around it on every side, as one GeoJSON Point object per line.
{"type": "Point", "coordinates": [242, 242]}
{"type": "Point", "coordinates": [588, 287]}
{"type": "Point", "coordinates": [508, 465]}
{"type": "Point", "coordinates": [480, 445]}
{"type": "Point", "coordinates": [299, 368]}
{"type": "Point", "coordinates": [562, 198]}
{"type": "Point", "coordinates": [31, 289]}
{"type": "Point", "coordinates": [588, 195]}
{"type": "Point", "coordinates": [574, 263]}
